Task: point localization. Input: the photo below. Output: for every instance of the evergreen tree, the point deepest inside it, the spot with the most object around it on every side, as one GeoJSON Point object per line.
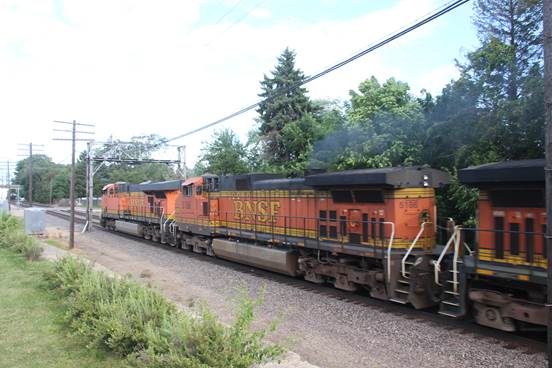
{"type": "Point", "coordinates": [284, 103]}
{"type": "Point", "coordinates": [512, 30]}
{"type": "Point", "coordinates": [506, 72]}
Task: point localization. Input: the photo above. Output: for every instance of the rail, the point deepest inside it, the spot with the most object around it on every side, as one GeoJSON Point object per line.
{"type": "Point", "coordinates": [409, 250]}
{"type": "Point", "coordinates": [437, 264]}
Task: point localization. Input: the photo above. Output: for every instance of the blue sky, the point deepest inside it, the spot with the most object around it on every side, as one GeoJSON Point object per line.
{"type": "Point", "coordinates": [136, 67]}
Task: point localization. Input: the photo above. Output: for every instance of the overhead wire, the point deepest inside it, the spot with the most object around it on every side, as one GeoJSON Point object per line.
{"type": "Point", "coordinates": [228, 12]}
{"type": "Point", "coordinates": [442, 10]}
{"type": "Point", "coordinates": [236, 22]}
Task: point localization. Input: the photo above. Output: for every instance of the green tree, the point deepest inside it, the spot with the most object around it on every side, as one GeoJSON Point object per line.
{"type": "Point", "coordinates": [372, 99]}
{"type": "Point", "coordinates": [224, 155]}
{"type": "Point", "coordinates": [507, 71]}
{"type": "Point", "coordinates": [385, 127]}
{"type": "Point", "coordinates": [512, 31]}
{"type": "Point", "coordinates": [454, 134]}
{"type": "Point", "coordinates": [46, 175]}
{"type": "Point", "coordinates": [283, 103]}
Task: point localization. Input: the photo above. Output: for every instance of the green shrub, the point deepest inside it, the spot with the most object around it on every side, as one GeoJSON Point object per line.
{"type": "Point", "coordinates": [8, 225]}
{"type": "Point", "coordinates": [138, 322]}
{"type": "Point", "coordinates": [12, 236]}
{"type": "Point", "coordinates": [206, 342]}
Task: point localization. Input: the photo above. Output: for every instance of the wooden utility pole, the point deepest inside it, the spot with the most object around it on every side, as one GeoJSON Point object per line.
{"type": "Point", "coordinates": [30, 195]}
{"type": "Point", "coordinates": [73, 140]}
{"type": "Point", "coordinates": [8, 183]}
{"type": "Point", "coordinates": [548, 171]}
{"type": "Point", "coordinates": [30, 157]}
{"type": "Point", "coordinates": [72, 191]}
{"type": "Point", "coordinates": [182, 171]}
{"type": "Point", "coordinates": [89, 187]}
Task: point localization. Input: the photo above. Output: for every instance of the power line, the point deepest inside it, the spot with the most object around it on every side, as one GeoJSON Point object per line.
{"type": "Point", "coordinates": [228, 12]}
{"type": "Point", "coordinates": [434, 15]}
{"type": "Point", "coordinates": [239, 20]}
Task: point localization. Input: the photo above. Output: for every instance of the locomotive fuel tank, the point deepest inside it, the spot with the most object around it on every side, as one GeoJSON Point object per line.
{"type": "Point", "coordinates": [129, 228]}
{"type": "Point", "coordinates": [277, 260]}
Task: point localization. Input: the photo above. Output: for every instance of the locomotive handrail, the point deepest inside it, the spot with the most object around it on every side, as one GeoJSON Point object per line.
{"type": "Point", "coordinates": [470, 251]}
{"type": "Point", "coordinates": [403, 261]}
{"type": "Point", "coordinates": [161, 217]}
{"type": "Point", "coordinates": [389, 247]}
{"type": "Point", "coordinates": [437, 264]}
{"type": "Point", "coordinates": [164, 226]}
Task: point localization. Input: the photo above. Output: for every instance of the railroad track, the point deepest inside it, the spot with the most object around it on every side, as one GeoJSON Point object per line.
{"type": "Point", "coordinates": [27, 205]}
{"type": "Point", "coordinates": [526, 342]}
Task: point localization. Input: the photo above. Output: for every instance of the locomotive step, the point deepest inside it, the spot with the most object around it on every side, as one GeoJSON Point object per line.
{"type": "Point", "coordinates": [451, 292]}
{"type": "Point", "coordinates": [400, 301]}
{"type": "Point", "coordinates": [449, 314]}
{"type": "Point", "coordinates": [450, 303]}
{"type": "Point", "coordinates": [402, 281]}
{"type": "Point", "coordinates": [402, 291]}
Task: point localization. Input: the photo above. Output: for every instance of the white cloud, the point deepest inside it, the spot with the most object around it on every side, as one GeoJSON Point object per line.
{"type": "Point", "coordinates": [138, 67]}
{"type": "Point", "coordinates": [260, 13]}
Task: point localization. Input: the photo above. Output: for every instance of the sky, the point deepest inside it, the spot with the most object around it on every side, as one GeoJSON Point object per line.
{"type": "Point", "coordinates": [137, 67]}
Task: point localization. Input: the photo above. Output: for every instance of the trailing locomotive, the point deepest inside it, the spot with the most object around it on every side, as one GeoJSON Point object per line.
{"type": "Point", "coordinates": [506, 270]}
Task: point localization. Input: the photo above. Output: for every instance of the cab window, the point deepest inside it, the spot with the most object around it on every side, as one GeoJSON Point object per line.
{"type": "Point", "coordinates": [188, 190]}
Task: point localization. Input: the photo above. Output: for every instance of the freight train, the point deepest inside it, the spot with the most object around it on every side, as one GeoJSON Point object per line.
{"type": "Point", "coordinates": [368, 229]}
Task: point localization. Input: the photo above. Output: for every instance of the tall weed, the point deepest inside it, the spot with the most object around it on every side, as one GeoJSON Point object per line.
{"type": "Point", "coordinates": [12, 236]}
{"type": "Point", "coordinates": [139, 323]}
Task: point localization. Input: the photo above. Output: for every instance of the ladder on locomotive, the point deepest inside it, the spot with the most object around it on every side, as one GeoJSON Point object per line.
{"type": "Point", "coordinates": [452, 303]}
{"type": "Point", "coordinates": [402, 288]}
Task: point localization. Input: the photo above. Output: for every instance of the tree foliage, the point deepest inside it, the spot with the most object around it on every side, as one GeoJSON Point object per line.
{"type": "Point", "coordinates": [224, 155]}
{"type": "Point", "coordinates": [284, 103]}
{"type": "Point", "coordinates": [384, 126]}
{"type": "Point", "coordinates": [47, 177]}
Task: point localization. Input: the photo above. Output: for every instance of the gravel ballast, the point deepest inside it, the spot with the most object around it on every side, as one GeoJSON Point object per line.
{"type": "Point", "coordinates": [324, 331]}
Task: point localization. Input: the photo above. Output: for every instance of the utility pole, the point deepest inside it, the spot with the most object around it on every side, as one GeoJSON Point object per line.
{"type": "Point", "coordinates": [51, 189]}
{"type": "Point", "coordinates": [182, 170]}
{"type": "Point", "coordinates": [73, 140]}
{"type": "Point", "coordinates": [547, 28]}
{"type": "Point", "coordinates": [30, 156]}
{"type": "Point", "coordinates": [30, 195]}
{"type": "Point", "coordinates": [89, 187]}
{"type": "Point", "coordinates": [8, 179]}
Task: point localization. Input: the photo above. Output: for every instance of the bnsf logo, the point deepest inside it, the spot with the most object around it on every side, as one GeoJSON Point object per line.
{"type": "Point", "coordinates": [267, 211]}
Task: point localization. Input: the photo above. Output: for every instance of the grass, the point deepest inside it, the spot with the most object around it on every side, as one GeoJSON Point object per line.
{"type": "Point", "coordinates": [31, 332]}
{"type": "Point", "coordinates": [139, 323]}
{"type": "Point", "coordinates": [13, 237]}
{"type": "Point", "coordinates": [114, 322]}
{"type": "Point", "coordinates": [56, 243]}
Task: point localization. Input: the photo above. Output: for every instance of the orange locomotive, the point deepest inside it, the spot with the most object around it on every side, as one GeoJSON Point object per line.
{"type": "Point", "coordinates": [371, 229]}
{"type": "Point", "coordinates": [506, 270]}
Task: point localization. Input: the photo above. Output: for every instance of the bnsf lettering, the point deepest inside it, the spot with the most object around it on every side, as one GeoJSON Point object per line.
{"type": "Point", "coordinates": [409, 203]}
{"type": "Point", "coordinates": [266, 211]}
